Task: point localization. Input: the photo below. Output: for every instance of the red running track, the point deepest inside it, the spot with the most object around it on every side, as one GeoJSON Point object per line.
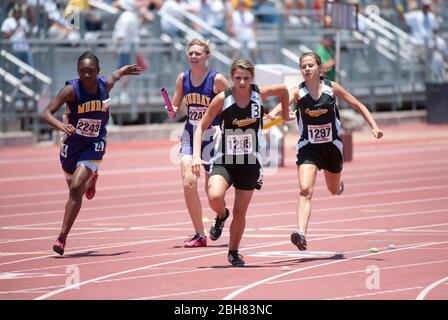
{"type": "Point", "coordinates": [127, 242]}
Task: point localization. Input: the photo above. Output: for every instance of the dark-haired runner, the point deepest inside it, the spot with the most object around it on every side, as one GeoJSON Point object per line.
{"type": "Point", "coordinates": [84, 126]}
{"type": "Point", "coordinates": [320, 144]}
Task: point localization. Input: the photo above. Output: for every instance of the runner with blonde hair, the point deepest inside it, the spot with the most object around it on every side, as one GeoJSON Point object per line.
{"type": "Point", "coordinates": [196, 88]}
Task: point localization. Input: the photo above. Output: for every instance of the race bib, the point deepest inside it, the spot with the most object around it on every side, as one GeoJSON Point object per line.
{"type": "Point", "coordinates": [320, 133]}
{"type": "Point", "coordinates": [238, 144]}
{"type": "Point", "coordinates": [88, 127]}
{"type": "Point", "coordinates": [195, 114]}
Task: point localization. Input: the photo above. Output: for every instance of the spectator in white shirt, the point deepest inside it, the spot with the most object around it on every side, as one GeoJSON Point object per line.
{"type": "Point", "coordinates": [242, 27]}
{"type": "Point", "coordinates": [213, 13]}
{"type": "Point", "coordinates": [126, 37]}
{"type": "Point", "coordinates": [16, 29]}
{"type": "Point", "coordinates": [439, 59]}
{"type": "Point", "coordinates": [174, 9]}
{"type": "Point", "coordinates": [422, 23]}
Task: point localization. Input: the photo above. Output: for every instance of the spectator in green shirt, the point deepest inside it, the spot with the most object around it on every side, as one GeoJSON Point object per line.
{"type": "Point", "coordinates": [326, 52]}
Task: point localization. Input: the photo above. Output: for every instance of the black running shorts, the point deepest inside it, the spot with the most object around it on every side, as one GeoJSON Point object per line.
{"type": "Point", "coordinates": [242, 179]}
{"type": "Point", "coordinates": [325, 156]}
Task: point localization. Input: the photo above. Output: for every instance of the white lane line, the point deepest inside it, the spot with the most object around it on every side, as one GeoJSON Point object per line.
{"type": "Point", "coordinates": [115, 154]}
{"type": "Point", "coordinates": [348, 175]}
{"type": "Point", "coordinates": [96, 247]}
{"type": "Point", "coordinates": [392, 215]}
{"type": "Point", "coordinates": [105, 172]}
{"type": "Point", "coordinates": [32, 290]}
{"type": "Point", "coordinates": [292, 188]}
{"type": "Point", "coordinates": [126, 187]}
{"type": "Point", "coordinates": [397, 151]}
{"type": "Point", "coordinates": [189, 270]}
{"type": "Point", "coordinates": [251, 217]}
{"type": "Point", "coordinates": [416, 228]}
{"type": "Point", "coordinates": [107, 276]}
{"type": "Point", "coordinates": [375, 293]}
{"type": "Point", "coordinates": [188, 292]}
{"type": "Point", "coordinates": [363, 271]}
{"type": "Point", "coordinates": [262, 215]}
{"type": "Point", "coordinates": [424, 292]}
{"type": "Point", "coordinates": [53, 237]}
{"type": "Point", "coordinates": [263, 281]}
{"type": "Point", "coordinates": [231, 196]}
{"type": "Point", "coordinates": [425, 212]}
{"type": "Point", "coordinates": [432, 166]}
{"type": "Point", "coordinates": [108, 261]}
{"type": "Point", "coordinates": [177, 294]}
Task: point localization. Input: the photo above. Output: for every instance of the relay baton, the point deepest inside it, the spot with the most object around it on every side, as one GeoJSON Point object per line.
{"type": "Point", "coordinates": [165, 96]}
{"type": "Point", "coordinates": [272, 123]}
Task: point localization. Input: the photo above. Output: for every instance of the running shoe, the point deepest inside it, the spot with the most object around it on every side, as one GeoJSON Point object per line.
{"type": "Point", "coordinates": [341, 188]}
{"type": "Point", "coordinates": [59, 247]}
{"type": "Point", "coordinates": [299, 240]}
{"type": "Point", "coordinates": [196, 241]}
{"type": "Point", "coordinates": [236, 259]}
{"type": "Point", "coordinates": [90, 192]}
{"type": "Point", "coordinates": [218, 225]}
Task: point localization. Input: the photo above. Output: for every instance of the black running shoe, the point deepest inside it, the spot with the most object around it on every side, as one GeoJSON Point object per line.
{"type": "Point", "coordinates": [299, 240]}
{"type": "Point", "coordinates": [59, 247]}
{"type": "Point", "coordinates": [236, 259]}
{"type": "Point", "coordinates": [218, 225]}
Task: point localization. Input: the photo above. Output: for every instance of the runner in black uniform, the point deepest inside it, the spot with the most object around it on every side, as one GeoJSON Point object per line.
{"type": "Point", "coordinates": [237, 161]}
{"type": "Point", "coordinates": [320, 143]}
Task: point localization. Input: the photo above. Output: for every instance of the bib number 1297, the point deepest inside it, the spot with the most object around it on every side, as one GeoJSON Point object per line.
{"type": "Point", "coordinates": [320, 133]}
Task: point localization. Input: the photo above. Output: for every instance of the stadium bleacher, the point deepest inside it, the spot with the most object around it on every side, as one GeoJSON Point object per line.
{"type": "Point", "coordinates": [377, 63]}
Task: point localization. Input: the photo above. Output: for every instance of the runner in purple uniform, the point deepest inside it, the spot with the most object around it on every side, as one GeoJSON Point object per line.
{"type": "Point", "coordinates": [84, 126]}
{"type": "Point", "coordinates": [196, 87]}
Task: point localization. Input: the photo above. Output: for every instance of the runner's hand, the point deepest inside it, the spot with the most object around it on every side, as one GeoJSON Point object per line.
{"type": "Point", "coordinates": [196, 164]}
{"type": "Point", "coordinates": [377, 133]}
{"type": "Point", "coordinates": [68, 129]}
{"type": "Point", "coordinates": [172, 114]}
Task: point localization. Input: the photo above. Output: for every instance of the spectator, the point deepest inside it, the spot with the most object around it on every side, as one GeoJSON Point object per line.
{"type": "Point", "coordinates": [236, 3]}
{"type": "Point", "coordinates": [228, 9]}
{"type": "Point", "coordinates": [174, 9]}
{"type": "Point", "coordinates": [439, 58]}
{"type": "Point", "coordinates": [295, 8]}
{"type": "Point", "coordinates": [126, 38]}
{"type": "Point", "coordinates": [266, 12]}
{"type": "Point", "coordinates": [154, 5]}
{"type": "Point", "coordinates": [318, 10]}
{"type": "Point", "coordinates": [60, 27]}
{"type": "Point", "coordinates": [214, 13]}
{"type": "Point", "coordinates": [17, 30]}
{"type": "Point", "coordinates": [326, 53]}
{"type": "Point", "coordinates": [422, 23]}
{"type": "Point", "coordinates": [28, 10]}
{"type": "Point", "coordinates": [242, 28]}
